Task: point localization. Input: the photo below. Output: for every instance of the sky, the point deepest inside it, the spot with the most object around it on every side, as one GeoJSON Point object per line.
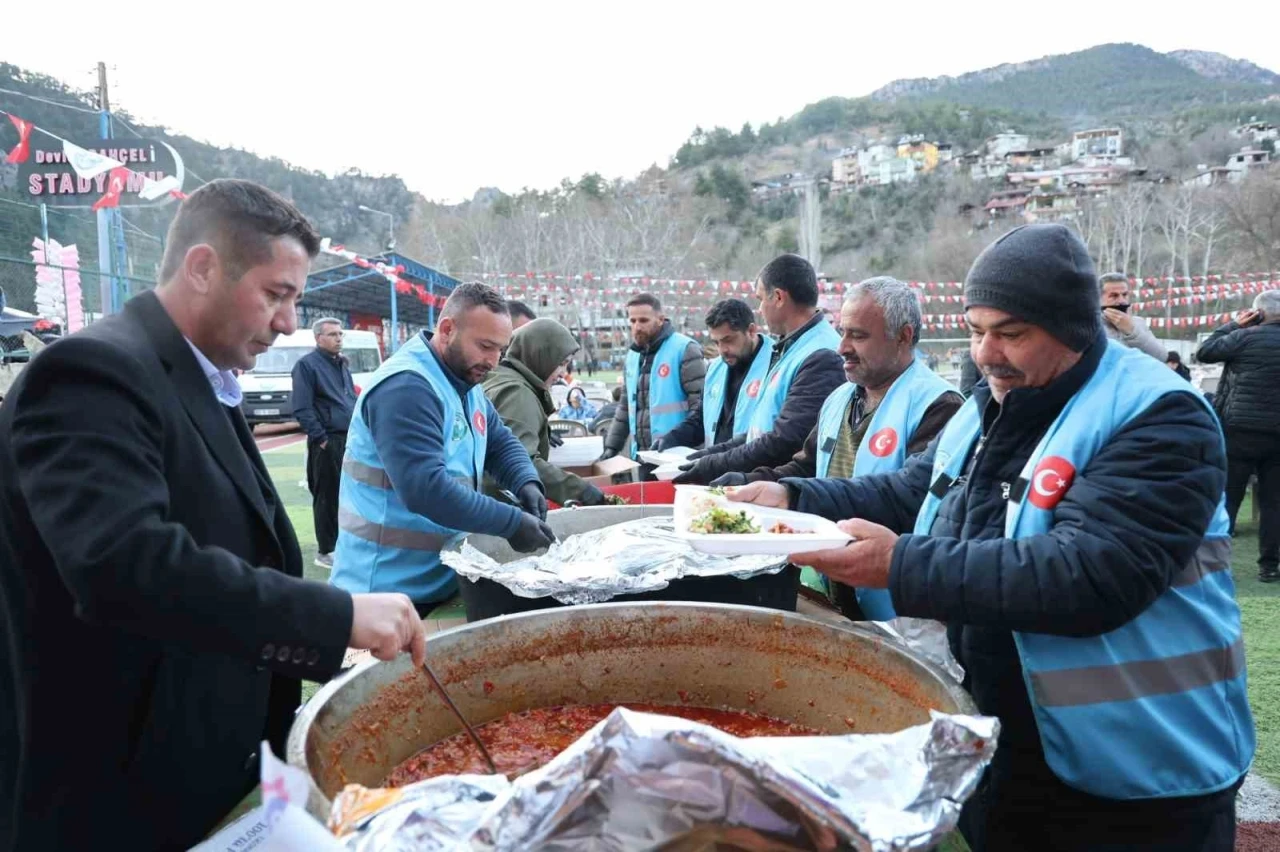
{"type": "Point", "coordinates": [457, 96]}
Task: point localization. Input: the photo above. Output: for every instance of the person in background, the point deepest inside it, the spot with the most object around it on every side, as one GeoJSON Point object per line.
{"type": "Point", "coordinates": [539, 353]}
{"type": "Point", "coordinates": [1174, 362]}
{"type": "Point", "coordinates": [608, 411]}
{"type": "Point", "coordinates": [156, 627]}
{"type": "Point", "coordinates": [577, 407]}
{"type": "Point", "coordinates": [1132, 331]}
{"type": "Point", "coordinates": [803, 371]}
{"type": "Point", "coordinates": [663, 377]}
{"type": "Point", "coordinates": [422, 438]}
{"type": "Point", "coordinates": [1068, 527]}
{"type": "Point", "coordinates": [520, 314]}
{"type": "Point", "coordinates": [890, 408]}
{"type": "Point", "coordinates": [323, 398]}
{"type": "Point", "coordinates": [734, 381]}
{"type": "Point", "coordinates": [1248, 401]}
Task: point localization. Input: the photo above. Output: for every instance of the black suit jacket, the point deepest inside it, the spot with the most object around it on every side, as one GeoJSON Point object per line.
{"type": "Point", "coordinates": [154, 622]}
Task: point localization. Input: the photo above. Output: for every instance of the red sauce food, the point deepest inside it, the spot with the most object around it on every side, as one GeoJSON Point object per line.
{"type": "Point", "coordinates": [520, 742]}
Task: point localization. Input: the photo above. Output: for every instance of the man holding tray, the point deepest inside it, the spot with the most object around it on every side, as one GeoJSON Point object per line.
{"type": "Point", "coordinates": [1069, 527]}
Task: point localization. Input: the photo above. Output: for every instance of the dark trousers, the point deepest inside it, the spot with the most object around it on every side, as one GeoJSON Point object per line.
{"type": "Point", "coordinates": [1066, 820]}
{"type": "Point", "coordinates": [324, 472]}
{"type": "Point", "coordinates": [1248, 453]}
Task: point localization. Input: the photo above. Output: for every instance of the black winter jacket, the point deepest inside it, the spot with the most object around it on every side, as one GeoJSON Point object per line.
{"type": "Point", "coordinates": [693, 368]}
{"type": "Point", "coordinates": [1247, 394]}
{"type": "Point", "coordinates": [1135, 514]}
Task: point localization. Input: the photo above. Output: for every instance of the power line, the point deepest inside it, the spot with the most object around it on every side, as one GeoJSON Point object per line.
{"type": "Point", "coordinates": [47, 101]}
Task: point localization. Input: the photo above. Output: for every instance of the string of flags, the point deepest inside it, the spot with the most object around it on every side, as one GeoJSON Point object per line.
{"type": "Point", "coordinates": [111, 175]}
{"type": "Point", "coordinates": [1182, 301]}
{"type": "Point", "coordinates": [391, 273]}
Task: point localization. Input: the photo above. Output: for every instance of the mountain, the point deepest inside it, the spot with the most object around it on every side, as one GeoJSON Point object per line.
{"type": "Point", "coordinates": [1107, 82]}
{"type": "Point", "coordinates": [1219, 67]}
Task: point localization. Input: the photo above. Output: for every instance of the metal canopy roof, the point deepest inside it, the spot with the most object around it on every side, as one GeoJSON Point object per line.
{"type": "Point", "coordinates": [349, 287]}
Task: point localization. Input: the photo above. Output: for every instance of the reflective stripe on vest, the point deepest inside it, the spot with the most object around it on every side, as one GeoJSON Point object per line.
{"type": "Point", "coordinates": [713, 388]}
{"type": "Point", "coordinates": [667, 400]}
{"type": "Point", "coordinates": [778, 382]}
{"type": "Point", "coordinates": [382, 546]}
{"type": "Point", "coordinates": [884, 444]}
{"type": "Point", "coordinates": [1156, 707]}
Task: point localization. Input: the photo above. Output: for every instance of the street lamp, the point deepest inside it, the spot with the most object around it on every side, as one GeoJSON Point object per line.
{"type": "Point", "coordinates": [391, 225]}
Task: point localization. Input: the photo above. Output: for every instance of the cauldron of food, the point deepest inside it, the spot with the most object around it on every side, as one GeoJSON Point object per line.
{"type": "Point", "coordinates": [361, 726]}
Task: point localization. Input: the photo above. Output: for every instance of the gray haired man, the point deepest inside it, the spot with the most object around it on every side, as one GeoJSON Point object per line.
{"type": "Point", "coordinates": [1122, 326]}
{"type": "Point", "coordinates": [323, 398]}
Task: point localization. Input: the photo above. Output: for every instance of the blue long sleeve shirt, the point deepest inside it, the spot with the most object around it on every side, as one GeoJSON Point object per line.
{"type": "Point", "coordinates": [406, 421]}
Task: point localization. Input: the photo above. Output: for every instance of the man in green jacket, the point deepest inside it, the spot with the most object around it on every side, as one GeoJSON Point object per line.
{"type": "Point", "coordinates": [519, 389]}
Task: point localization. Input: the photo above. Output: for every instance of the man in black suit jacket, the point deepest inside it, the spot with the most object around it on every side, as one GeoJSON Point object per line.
{"type": "Point", "coordinates": [154, 626]}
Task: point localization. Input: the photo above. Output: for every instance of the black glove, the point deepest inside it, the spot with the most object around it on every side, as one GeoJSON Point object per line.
{"type": "Point", "coordinates": [607, 454]}
{"type": "Point", "coordinates": [658, 445]}
{"type": "Point", "coordinates": [531, 535]}
{"type": "Point", "coordinates": [591, 496]}
{"type": "Point", "coordinates": [532, 500]}
{"type": "Point", "coordinates": [692, 473]}
{"type": "Point", "coordinates": [554, 439]}
{"type": "Point", "coordinates": [697, 454]}
{"type": "Point", "coordinates": [732, 478]}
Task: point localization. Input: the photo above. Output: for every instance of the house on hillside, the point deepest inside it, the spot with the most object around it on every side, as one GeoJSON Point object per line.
{"type": "Point", "coordinates": [778, 186]}
{"type": "Point", "coordinates": [1102, 144]}
{"type": "Point", "coordinates": [1257, 131]}
{"type": "Point", "coordinates": [1024, 159]}
{"type": "Point", "coordinates": [1209, 176]}
{"type": "Point", "coordinates": [1002, 143]}
{"type": "Point", "coordinates": [844, 168]}
{"type": "Point", "coordinates": [1007, 204]}
{"type": "Point", "coordinates": [1246, 160]}
{"type": "Point", "coordinates": [916, 148]}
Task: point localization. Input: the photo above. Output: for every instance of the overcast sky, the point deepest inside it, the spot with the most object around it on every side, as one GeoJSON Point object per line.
{"type": "Point", "coordinates": [455, 96]}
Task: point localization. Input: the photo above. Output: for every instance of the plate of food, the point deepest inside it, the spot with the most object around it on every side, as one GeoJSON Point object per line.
{"type": "Point", "coordinates": [711, 523]}
{"type": "Point", "coordinates": [671, 455]}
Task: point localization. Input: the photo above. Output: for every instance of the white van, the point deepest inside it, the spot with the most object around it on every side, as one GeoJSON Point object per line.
{"type": "Point", "coordinates": [268, 387]}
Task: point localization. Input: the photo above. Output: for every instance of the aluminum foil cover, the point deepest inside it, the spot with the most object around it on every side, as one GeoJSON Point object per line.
{"type": "Point", "coordinates": [640, 781]}
{"type": "Point", "coordinates": [643, 555]}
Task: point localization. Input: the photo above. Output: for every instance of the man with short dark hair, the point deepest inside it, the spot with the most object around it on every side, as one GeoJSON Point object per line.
{"type": "Point", "coordinates": [1248, 402]}
{"type": "Point", "coordinates": [1068, 527]}
{"type": "Point", "coordinates": [143, 547]}
{"type": "Point", "coordinates": [1131, 330]}
{"type": "Point", "coordinates": [803, 371]}
{"type": "Point", "coordinates": [422, 438]}
{"type": "Point", "coordinates": [323, 398]}
{"type": "Point", "coordinates": [520, 313]}
{"type": "Point", "coordinates": [663, 376]}
{"type": "Point", "coordinates": [733, 382]}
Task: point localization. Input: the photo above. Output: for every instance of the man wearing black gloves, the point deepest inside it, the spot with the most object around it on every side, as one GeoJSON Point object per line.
{"type": "Point", "coordinates": [421, 441]}
{"type": "Point", "coordinates": [1069, 527]}
{"type": "Point", "coordinates": [804, 369]}
{"type": "Point", "coordinates": [734, 383]}
{"type": "Point", "coordinates": [323, 398]}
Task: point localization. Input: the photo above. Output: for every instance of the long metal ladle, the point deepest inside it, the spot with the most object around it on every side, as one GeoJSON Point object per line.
{"type": "Point", "coordinates": [471, 732]}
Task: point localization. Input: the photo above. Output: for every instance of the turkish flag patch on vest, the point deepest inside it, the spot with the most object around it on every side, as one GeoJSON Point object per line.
{"type": "Point", "coordinates": [883, 442]}
{"type": "Point", "coordinates": [1050, 480]}
{"type": "Point", "coordinates": [480, 423]}
{"type": "Point", "coordinates": [664, 371]}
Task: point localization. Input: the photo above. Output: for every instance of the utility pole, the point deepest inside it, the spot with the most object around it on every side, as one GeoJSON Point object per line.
{"type": "Point", "coordinates": [111, 247]}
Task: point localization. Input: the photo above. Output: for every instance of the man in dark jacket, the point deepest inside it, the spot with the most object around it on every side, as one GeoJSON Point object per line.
{"type": "Point", "coordinates": [154, 623]}
{"type": "Point", "coordinates": [1249, 405]}
{"type": "Point", "coordinates": [1068, 528]}
{"type": "Point", "coordinates": [538, 355]}
{"type": "Point", "coordinates": [804, 369]}
{"type": "Point", "coordinates": [323, 398]}
{"type": "Point", "coordinates": [743, 350]}
{"type": "Point", "coordinates": [663, 376]}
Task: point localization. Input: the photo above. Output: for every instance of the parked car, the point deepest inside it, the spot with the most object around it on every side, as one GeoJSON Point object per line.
{"type": "Point", "coordinates": [268, 387]}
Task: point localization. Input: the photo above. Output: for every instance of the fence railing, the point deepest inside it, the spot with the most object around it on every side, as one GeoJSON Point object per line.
{"type": "Point", "coordinates": [18, 280]}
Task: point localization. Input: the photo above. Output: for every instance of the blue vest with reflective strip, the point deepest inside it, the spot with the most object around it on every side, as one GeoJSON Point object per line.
{"type": "Point", "coordinates": [382, 546]}
{"type": "Point", "coordinates": [748, 394]}
{"type": "Point", "coordinates": [778, 383]}
{"type": "Point", "coordinates": [667, 401]}
{"type": "Point", "coordinates": [1157, 707]}
{"type": "Point", "coordinates": [884, 444]}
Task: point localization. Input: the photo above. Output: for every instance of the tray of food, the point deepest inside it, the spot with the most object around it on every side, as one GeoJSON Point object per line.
{"type": "Point", "coordinates": [711, 523]}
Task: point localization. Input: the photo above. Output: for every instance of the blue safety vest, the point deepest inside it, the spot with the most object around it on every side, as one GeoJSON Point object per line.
{"type": "Point", "coordinates": [1157, 707]}
{"type": "Point", "coordinates": [778, 382]}
{"type": "Point", "coordinates": [884, 445]}
{"type": "Point", "coordinates": [717, 380]}
{"type": "Point", "coordinates": [667, 401]}
{"type": "Point", "coordinates": [382, 546]}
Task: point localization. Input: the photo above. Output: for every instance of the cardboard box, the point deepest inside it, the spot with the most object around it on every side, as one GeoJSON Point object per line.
{"type": "Point", "coordinates": [614, 471]}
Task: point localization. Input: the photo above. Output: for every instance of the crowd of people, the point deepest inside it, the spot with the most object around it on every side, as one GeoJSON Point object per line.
{"type": "Point", "coordinates": [1067, 512]}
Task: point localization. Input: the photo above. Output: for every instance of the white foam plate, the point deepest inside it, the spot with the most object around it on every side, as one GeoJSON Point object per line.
{"type": "Point", "coordinates": [693, 500]}
{"type": "Point", "coordinates": [671, 455]}
{"type": "Point", "coordinates": [667, 472]}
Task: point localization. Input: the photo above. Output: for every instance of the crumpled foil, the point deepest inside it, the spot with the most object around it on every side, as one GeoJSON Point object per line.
{"type": "Point", "coordinates": [640, 781]}
{"type": "Point", "coordinates": [643, 555]}
{"type": "Point", "coordinates": [928, 638]}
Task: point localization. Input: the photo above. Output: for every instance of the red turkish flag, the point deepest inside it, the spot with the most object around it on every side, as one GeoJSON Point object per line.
{"type": "Point", "coordinates": [22, 150]}
{"type": "Point", "coordinates": [115, 186]}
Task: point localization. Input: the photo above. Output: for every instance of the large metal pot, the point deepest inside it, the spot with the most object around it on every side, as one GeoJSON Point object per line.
{"type": "Point", "coordinates": [838, 680]}
{"type": "Point", "coordinates": [487, 599]}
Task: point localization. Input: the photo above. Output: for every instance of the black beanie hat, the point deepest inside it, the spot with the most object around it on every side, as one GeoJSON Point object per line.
{"type": "Point", "coordinates": [1041, 274]}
